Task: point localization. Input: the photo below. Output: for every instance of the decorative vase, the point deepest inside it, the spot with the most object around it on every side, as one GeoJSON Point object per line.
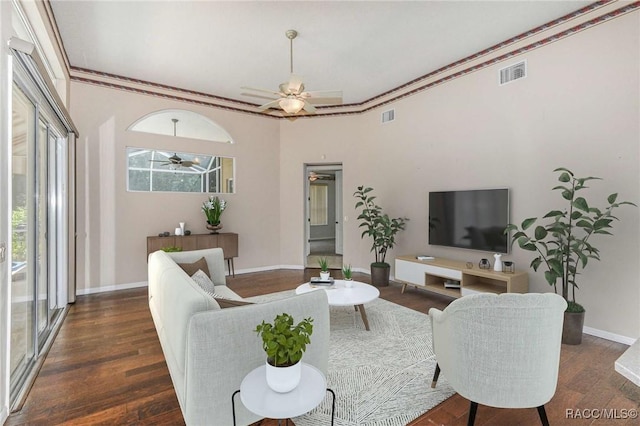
{"type": "Point", "coordinates": [214, 228]}
{"type": "Point", "coordinates": [283, 379]}
{"type": "Point", "coordinates": [572, 328]}
{"type": "Point", "coordinates": [324, 275]}
{"type": "Point", "coordinates": [497, 265]}
{"type": "Point", "coordinates": [348, 283]}
{"type": "Point", "coordinates": [380, 274]}
{"type": "Point", "coordinates": [181, 228]}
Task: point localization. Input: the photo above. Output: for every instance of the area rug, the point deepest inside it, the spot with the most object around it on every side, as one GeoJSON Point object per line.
{"type": "Point", "coordinates": [381, 377]}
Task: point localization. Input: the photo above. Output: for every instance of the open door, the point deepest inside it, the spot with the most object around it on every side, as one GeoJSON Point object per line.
{"type": "Point", "coordinates": [323, 214]}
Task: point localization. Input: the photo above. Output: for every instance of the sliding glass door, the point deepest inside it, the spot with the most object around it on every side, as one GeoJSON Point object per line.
{"type": "Point", "coordinates": [38, 228]}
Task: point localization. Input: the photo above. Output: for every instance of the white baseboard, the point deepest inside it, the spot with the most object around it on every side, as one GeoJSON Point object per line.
{"type": "Point", "coordinates": [125, 286]}
{"type": "Point", "coordinates": [609, 336]}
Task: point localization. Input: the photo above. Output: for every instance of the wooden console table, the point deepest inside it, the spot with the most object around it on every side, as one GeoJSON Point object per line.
{"type": "Point", "coordinates": [227, 241]}
{"type": "Point", "coordinates": [454, 279]}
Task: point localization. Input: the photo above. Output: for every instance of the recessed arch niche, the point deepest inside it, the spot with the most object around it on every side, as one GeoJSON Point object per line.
{"type": "Point", "coordinates": [189, 124]}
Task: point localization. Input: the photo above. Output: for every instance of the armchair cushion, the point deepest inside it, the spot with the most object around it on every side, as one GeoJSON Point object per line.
{"type": "Point", "coordinates": [192, 268]}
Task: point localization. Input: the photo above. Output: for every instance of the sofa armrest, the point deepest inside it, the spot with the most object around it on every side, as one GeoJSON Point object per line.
{"type": "Point", "coordinates": [222, 348]}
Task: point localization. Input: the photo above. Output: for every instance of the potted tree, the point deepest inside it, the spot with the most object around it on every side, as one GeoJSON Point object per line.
{"type": "Point", "coordinates": [284, 344]}
{"type": "Point", "coordinates": [382, 229]}
{"type": "Point", "coordinates": [563, 244]}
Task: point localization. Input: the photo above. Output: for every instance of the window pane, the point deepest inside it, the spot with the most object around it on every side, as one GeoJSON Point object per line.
{"type": "Point", "coordinates": [177, 182]}
{"type": "Point", "coordinates": [139, 180]}
{"type": "Point", "coordinates": [154, 170]}
{"type": "Point", "coordinates": [318, 204]}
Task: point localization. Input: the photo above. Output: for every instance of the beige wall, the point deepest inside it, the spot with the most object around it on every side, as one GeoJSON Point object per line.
{"type": "Point", "coordinates": [578, 108]}
{"type": "Point", "coordinates": [113, 224]}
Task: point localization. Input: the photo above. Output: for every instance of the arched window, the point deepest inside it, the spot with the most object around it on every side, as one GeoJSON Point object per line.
{"type": "Point", "coordinates": [181, 123]}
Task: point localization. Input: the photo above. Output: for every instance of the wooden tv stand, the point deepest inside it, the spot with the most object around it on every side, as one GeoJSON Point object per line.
{"type": "Point", "coordinates": [433, 274]}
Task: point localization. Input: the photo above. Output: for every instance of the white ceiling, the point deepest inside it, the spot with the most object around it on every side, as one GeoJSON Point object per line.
{"type": "Point", "coordinates": [215, 47]}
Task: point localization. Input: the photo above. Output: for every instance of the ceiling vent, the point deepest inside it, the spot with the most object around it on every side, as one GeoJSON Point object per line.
{"type": "Point", "coordinates": [513, 72]}
{"type": "Point", "coordinates": [388, 116]}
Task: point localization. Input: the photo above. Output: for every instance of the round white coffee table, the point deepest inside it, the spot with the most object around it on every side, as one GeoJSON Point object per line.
{"type": "Point", "coordinates": [260, 399]}
{"type": "Point", "coordinates": [340, 295]}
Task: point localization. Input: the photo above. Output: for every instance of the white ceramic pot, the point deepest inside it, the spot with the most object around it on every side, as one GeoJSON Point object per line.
{"type": "Point", "coordinates": [283, 379]}
{"type": "Point", "coordinates": [324, 275]}
{"type": "Point", "coordinates": [348, 283]}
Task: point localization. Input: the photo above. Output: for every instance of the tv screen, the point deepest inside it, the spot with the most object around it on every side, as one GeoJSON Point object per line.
{"type": "Point", "coordinates": [474, 219]}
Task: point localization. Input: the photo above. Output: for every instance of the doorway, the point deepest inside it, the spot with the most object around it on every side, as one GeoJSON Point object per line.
{"type": "Point", "coordinates": [323, 215]}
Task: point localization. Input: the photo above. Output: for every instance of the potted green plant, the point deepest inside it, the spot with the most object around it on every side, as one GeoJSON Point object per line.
{"type": "Point", "coordinates": [347, 275]}
{"type": "Point", "coordinates": [324, 268]}
{"type": "Point", "coordinates": [382, 229]}
{"type": "Point", "coordinates": [213, 209]}
{"type": "Point", "coordinates": [284, 344]}
{"type": "Point", "coordinates": [171, 249]}
{"type": "Point", "coordinates": [563, 243]}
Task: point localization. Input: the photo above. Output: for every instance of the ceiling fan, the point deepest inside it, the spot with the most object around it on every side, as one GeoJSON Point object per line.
{"type": "Point", "coordinates": [292, 98]}
{"type": "Point", "coordinates": [174, 161]}
{"type": "Point", "coordinates": [313, 176]}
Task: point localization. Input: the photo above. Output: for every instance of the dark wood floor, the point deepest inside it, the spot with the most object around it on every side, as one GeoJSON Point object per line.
{"type": "Point", "coordinates": [106, 367]}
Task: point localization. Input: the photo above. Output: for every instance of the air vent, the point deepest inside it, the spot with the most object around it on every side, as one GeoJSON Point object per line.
{"type": "Point", "coordinates": [513, 72]}
{"type": "Point", "coordinates": [388, 116]}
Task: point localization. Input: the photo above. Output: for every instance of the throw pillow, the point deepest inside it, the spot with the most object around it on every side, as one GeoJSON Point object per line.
{"type": "Point", "coordinates": [203, 281]}
{"type": "Point", "coordinates": [231, 303]}
{"type": "Point", "coordinates": [192, 268]}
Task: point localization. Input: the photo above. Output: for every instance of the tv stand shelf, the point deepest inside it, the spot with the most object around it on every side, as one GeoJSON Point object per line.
{"type": "Point", "coordinates": [432, 275]}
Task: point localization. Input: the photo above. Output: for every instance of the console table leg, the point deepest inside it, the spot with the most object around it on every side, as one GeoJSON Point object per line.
{"type": "Point", "coordinates": [363, 313]}
{"type": "Point", "coordinates": [404, 287]}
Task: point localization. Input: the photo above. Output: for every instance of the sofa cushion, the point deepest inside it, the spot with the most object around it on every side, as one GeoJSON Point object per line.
{"type": "Point", "coordinates": [192, 268]}
{"type": "Point", "coordinates": [203, 280]}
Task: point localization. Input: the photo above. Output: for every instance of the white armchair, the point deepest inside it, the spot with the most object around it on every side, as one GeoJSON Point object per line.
{"type": "Point", "coordinates": [500, 350]}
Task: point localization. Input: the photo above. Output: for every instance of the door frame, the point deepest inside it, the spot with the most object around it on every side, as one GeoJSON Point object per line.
{"type": "Point", "coordinates": [322, 167]}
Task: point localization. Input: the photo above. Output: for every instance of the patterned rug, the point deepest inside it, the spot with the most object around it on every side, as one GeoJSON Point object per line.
{"type": "Point", "coordinates": [381, 377]}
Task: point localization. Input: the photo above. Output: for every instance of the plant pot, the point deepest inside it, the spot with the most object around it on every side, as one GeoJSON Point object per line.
{"type": "Point", "coordinates": [324, 275]}
{"type": "Point", "coordinates": [572, 328]}
{"type": "Point", "coordinates": [283, 379]}
{"type": "Point", "coordinates": [348, 283]}
{"type": "Point", "coordinates": [380, 274]}
{"type": "Point", "coordinates": [213, 228]}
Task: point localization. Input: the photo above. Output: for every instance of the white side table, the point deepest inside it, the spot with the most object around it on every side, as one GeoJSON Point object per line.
{"type": "Point", "coordinates": [260, 399]}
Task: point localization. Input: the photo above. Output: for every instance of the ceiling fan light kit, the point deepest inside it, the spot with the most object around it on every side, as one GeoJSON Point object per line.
{"type": "Point", "coordinates": [291, 97]}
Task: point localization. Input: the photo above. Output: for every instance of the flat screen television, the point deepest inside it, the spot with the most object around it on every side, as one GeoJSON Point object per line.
{"type": "Point", "coordinates": [473, 219]}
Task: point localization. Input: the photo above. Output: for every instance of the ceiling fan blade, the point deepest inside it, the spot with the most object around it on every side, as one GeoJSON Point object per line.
{"type": "Point", "coordinates": [323, 97]}
{"type": "Point", "coordinates": [269, 96]}
{"type": "Point", "coordinates": [308, 107]}
{"type": "Point", "coordinates": [270, 92]}
{"type": "Point", "coordinates": [187, 163]}
{"type": "Point", "coordinates": [269, 105]}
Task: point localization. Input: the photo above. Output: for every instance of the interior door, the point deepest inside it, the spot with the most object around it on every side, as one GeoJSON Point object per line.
{"type": "Point", "coordinates": [339, 216]}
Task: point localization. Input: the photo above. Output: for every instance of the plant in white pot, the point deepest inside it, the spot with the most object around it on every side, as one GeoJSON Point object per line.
{"type": "Point", "coordinates": [284, 343]}
{"type": "Point", "coordinates": [563, 244]}
{"type": "Point", "coordinates": [324, 268]}
{"type": "Point", "coordinates": [382, 229]}
{"type": "Point", "coordinates": [347, 274]}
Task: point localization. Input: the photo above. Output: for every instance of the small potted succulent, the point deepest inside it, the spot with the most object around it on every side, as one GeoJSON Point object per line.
{"type": "Point", "coordinates": [324, 268]}
{"type": "Point", "coordinates": [347, 275]}
{"type": "Point", "coordinates": [284, 343]}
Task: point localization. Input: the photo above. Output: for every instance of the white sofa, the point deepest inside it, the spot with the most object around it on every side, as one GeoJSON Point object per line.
{"type": "Point", "coordinates": [209, 350]}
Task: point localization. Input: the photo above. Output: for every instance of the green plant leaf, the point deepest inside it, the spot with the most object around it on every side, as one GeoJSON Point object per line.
{"type": "Point", "coordinates": [564, 177]}
{"type": "Point", "coordinates": [528, 222]}
{"type": "Point", "coordinates": [554, 213]}
{"type": "Point", "coordinates": [567, 194]}
{"type": "Point", "coordinates": [581, 204]}
{"type": "Point", "coordinates": [540, 232]}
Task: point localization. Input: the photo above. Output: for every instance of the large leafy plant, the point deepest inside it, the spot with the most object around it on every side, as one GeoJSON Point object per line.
{"type": "Point", "coordinates": [379, 226]}
{"type": "Point", "coordinates": [283, 342]}
{"type": "Point", "coordinates": [563, 244]}
{"type": "Point", "coordinates": [213, 209]}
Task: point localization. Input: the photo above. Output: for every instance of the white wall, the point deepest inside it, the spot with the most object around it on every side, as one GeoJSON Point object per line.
{"type": "Point", "coordinates": [113, 224]}
{"type": "Point", "coordinates": [578, 108]}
